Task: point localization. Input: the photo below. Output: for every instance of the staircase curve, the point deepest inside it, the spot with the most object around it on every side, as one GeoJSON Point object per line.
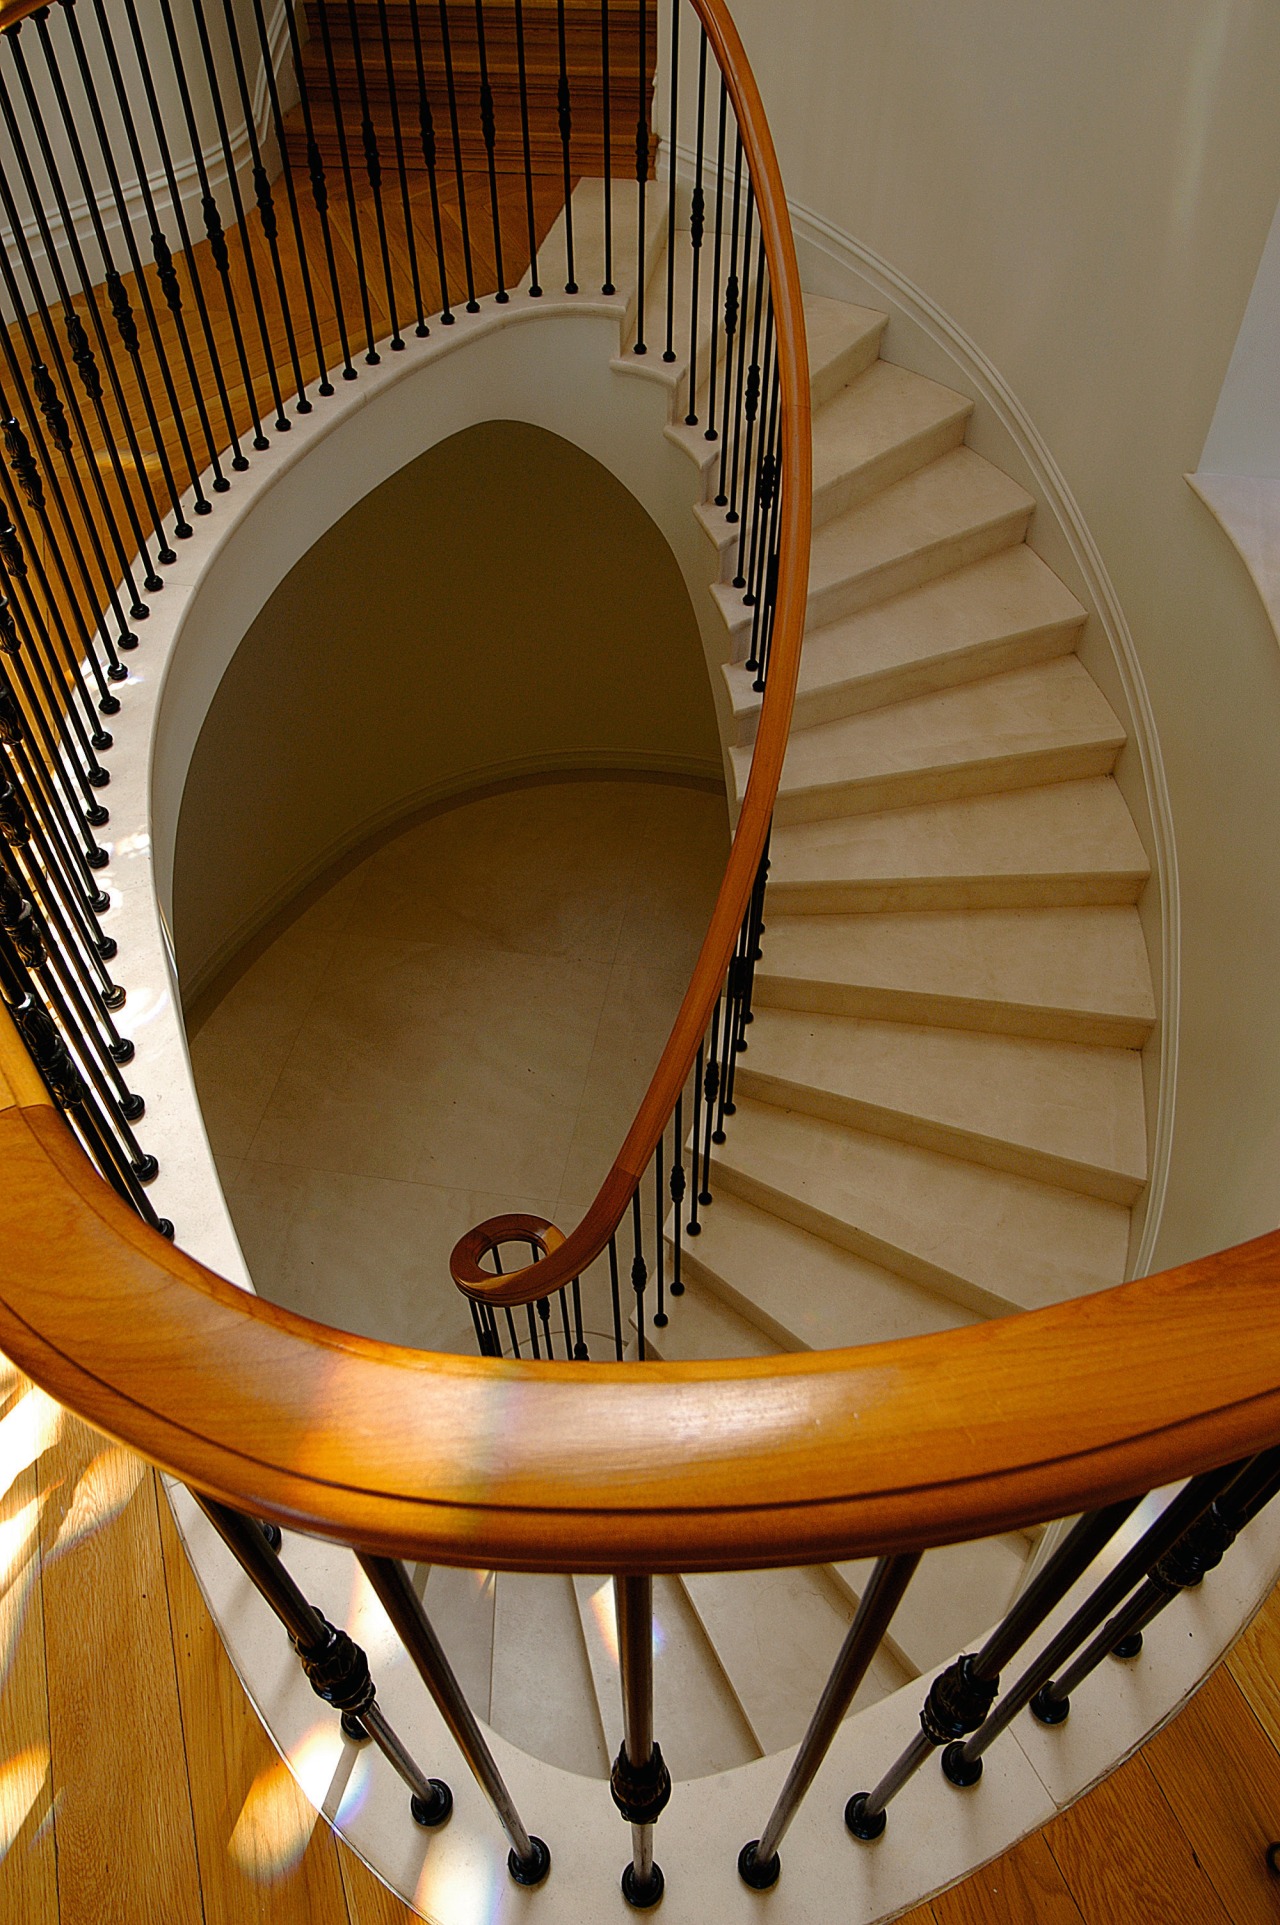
{"type": "Point", "coordinates": [909, 1085]}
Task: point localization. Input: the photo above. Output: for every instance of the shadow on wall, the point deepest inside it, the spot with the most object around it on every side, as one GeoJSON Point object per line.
{"type": "Point", "coordinates": [500, 607]}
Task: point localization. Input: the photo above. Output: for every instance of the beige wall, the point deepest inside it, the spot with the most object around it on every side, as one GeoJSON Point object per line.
{"type": "Point", "coordinates": [502, 602]}
{"type": "Point", "coordinates": [1085, 186]}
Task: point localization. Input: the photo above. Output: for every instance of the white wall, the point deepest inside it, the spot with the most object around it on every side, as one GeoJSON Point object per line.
{"type": "Point", "coordinates": [1086, 187]}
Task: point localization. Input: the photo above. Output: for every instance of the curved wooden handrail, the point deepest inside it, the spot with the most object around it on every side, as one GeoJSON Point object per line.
{"type": "Point", "coordinates": [584, 1244]}
{"type": "Point", "coordinates": [597, 1467]}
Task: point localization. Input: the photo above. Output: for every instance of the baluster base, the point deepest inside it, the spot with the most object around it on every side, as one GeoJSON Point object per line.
{"type": "Point", "coordinates": [530, 1871]}
{"type": "Point", "coordinates": [643, 1898]}
{"type": "Point", "coordinates": [435, 1811]}
{"type": "Point", "coordinates": [959, 1770]}
{"type": "Point", "coordinates": [760, 1877]}
{"type": "Point", "coordinates": [868, 1829]}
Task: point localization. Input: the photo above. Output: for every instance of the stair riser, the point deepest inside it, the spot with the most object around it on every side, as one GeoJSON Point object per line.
{"type": "Point", "coordinates": [836, 701]}
{"type": "Point", "coordinates": [925, 1133]}
{"type": "Point", "coordinates": [875, 897]}
{"type": "Point", "coordinates": [697, 1273]}
{"type": "Point", "coordinates": [894, 1005]}
{"type": "Point", "coordinates": [912, 787]}
{"type": "Point", "coordinates": [826, 382]}
{"type": "Point", "coordinates": [830, 601]}
{"type": "Point", "coordinates": [906, 457]}
{"type": "Point", "coordinates": [963, 1290]}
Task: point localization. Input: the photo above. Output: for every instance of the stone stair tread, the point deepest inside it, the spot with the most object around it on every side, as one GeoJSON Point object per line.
{"type": "Point", "coordinates": [535, 1614]}
{"type": "Point", "coordinates": [958, 1592]}
{"type": "Point", "coordinates": [1000, 613]}
{"type": "Point", "coordinates": [991, 1240]}
{"type": "Point", "coordinates": [956, 510]}
{"type": "Point", "coordinates": [703, 1325]}
{"type": "Point", "coordinates": [698, 1720]}
{"type": "Point", "coordinates": [802, 1291]}
{"type": "Point", "coordinates": [1068, 844]}
{"type": "Point", "coordinates": [777, 1634]}
{"type": "Point", "coordinates": [1049, 722]}
{"type": "Point", "coordinates": [881, 427]}
{"type": "Point", "coordinates": [1061, 1113]}
{"type": "Point", "coordinates": [461, 1607]}
{"type": "Point", "coordinates": [1070, 975]}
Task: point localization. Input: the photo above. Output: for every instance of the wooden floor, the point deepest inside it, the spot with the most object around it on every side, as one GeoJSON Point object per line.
{"type": "Point", "coordinates": [138, 1788]}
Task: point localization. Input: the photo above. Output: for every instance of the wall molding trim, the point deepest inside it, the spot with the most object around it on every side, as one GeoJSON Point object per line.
{"type": "Point", "coordinates": [245, 942]}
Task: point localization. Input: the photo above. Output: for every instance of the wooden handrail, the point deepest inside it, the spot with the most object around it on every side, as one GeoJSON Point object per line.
{"type": "Point", "coordinates": [596, 1467]}
{"type": "Point", "coordinates": [584, 1244]}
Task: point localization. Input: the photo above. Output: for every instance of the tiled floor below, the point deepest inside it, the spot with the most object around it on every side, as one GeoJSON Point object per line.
{"type": "Point", "coordinates": [461, 1025]}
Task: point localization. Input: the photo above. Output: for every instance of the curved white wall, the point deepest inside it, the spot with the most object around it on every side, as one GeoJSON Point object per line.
{"type": "Point", "coordinates": [1086, 189]}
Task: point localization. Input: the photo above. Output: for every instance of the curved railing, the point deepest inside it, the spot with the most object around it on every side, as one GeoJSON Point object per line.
{"type": "Point", "coordinates": [138, 367]}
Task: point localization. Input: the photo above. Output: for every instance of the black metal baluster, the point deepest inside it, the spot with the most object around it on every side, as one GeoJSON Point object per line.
{"type": "Point", "coordinates": [659, 1239]}
{"type": "Point", "coordinates": [473, 306]}
{"type": "Point", "coordinates": [693, 1227]}
{"type": "Point", "coordinates": [669, 352]}
{"type": "Point", "coordinates": [28, 475]}
{"type": "Point", "coordinates": [335, 1666]}
{"type": "Point", "coordinates": [713, 351]}
{"type": "Point", "coordinates": [373, 170]}
{"type": "Point", "coordinates": [961, 1696]}
{"type": "Point", "coordinates": [535, 289]}
{"type": "Point", "coordinates": [564, 116]}
{"type": "Point", "coordinates": [767, 559]}
{"type": "Point", "coordinates": [87, 943]}
{"type": "Point", "coordinates": [282, 422]}
{"type": "Point", "coordinates": [642, 174]}
{"type": "Point", "coordinates": [697, 221]}
{"type": "Point", "coordinates": [372, 357]}
{"type": "Point", "coordinates": [66, 873]}
{"type": "Point", "coordinates": [639, 1270]}
{"type": "Point", "coordinates": [730, 317]}
{"type": "Point", "coordinates": [265, 201]}
{"type": "Point", "coordinates": [482, 1335]}
{"type": "Point", "coordinates": [160, 254]}
{"type": "Point", "coordinates": [564, 1320]}
{"type": "Point", "coordinates": [727, 1026]}
{"type": "Point", "coordinates": [121, 309]}
{"type": "Point", "coordinates": [212, 216]}
{"type": "Point", "coordinates": [512, 1332]}
{"type": "Point", "coordinates": [606, 102]}
{"type": "Point", "coordinates": [397, 140]}
{"type": "Point", "coordinates": [533, 1332]}
{"type": "Point", "coordinates": [580, 1351]}
{"type": "Point", "coordinates": [1199, 1550]}
{"type": "Point", "coordinates": [617, 1301]}
{"type": "Point", "coordinates": [710, 1089]}
{"type": "Point", "coordinates": [529, 1860]}
{"type": "Point", "coordinates": [489, 134]}
{"type": "Point", "coordinates": [640, 1783]}
{"type": "Point", "coordinates": [57, 769]}
{"type": "Point", "coordinates": [732, 513]}
{"type": "Point", "coordinates": [56, 669]}
{"type": "Point", "coordinates": [750, 409]}
{"type": "Point", "coordinates": [427, 136]}
{"type": "Point", "coordinates": [544, 1318]}
{"type": "Point", "coordinates": [317, 177]}
{"type": "Point", "coordinates": [159, 245]}
{"type": "Point", "coordinates": [82, 355]}
{"type": "Point", "coordinates": [758, 1861]}
{"type": "Point", "coordinates": [763, 479]}
{"type": "Point", "coordinates": [677, 1187]}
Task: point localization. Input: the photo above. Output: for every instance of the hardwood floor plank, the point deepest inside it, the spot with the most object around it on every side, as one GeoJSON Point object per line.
{"type": "Point", "coordinates": [28, 1862]}
{"type": "Point", "coordinates": [1221, 1776]}
{"type": "Point", "coordinates": [1023, 1887]}
{"type": "Point", "coordinates": [266, 1857]}
{"type": "Point", "coordinates": [1255, 1666]}
{"type": "Point", "coordinates": [1126, 1859]}
{"type": "Point", "coordinates": [368, 1900]}
{"type": "Point", "coordinates": [126, 1846]}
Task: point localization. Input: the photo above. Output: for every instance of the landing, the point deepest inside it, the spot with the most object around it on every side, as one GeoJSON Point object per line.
{"type": "Point", "coordinates": [462, 1024]}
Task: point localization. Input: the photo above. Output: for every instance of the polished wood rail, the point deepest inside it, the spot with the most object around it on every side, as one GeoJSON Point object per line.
{"type": "Point", "coordinates": [573, 1466]}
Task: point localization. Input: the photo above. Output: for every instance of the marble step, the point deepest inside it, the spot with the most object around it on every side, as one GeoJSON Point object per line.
{"type": "Point", "coordinates": [1049, 723]}
{"type": "Point", "coordinates": [1071, 844]}
{"type": "Point", "coordinates": [777, 1634]}
{"type": "Point", "coordinates": [588, 252]}
{"type": "Point", "coordinates": [953, 512]}
{"type": "Point", "coordinates": [958, 1592]}
{"type": "Point", "coordinates": [1062, 1113]}
{"type": "Point", "coordinates": [882, 427]}
{"type": "Point", "coordinates": [990, 1240]}
{"type": "Point", "coordinates": [701, 1325]}
{"type": "Point", "coordinates": [753, 1276]}
{"type": "Point", "coordinates": [1068, 975]}
{"type": "Point", "coordinates": [461, 1605]}
{"type": "Point", "coordinates": [699, 1722]}
{"type": "Point", "coordinates": [1002, 613]}
{"type": "Point", "coordinates": [542, 1692]}
{"type": "Point", "coordinates": [844, 341]}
